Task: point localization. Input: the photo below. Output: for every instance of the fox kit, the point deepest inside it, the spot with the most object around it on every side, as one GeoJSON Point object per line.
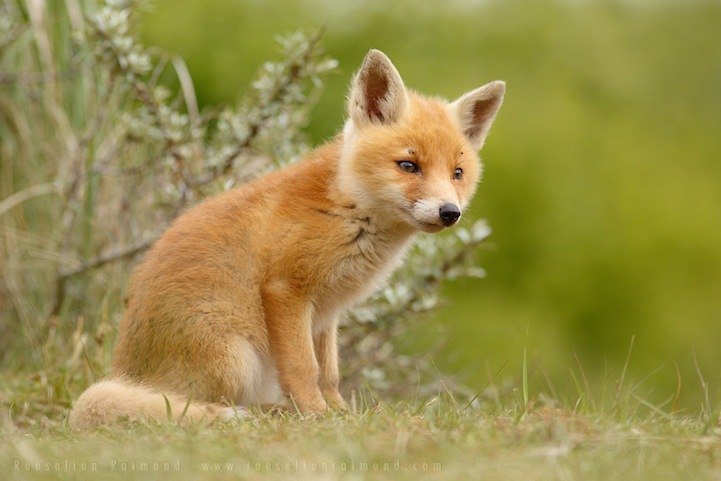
{"type": "Point", "coordinates": [238, 302]}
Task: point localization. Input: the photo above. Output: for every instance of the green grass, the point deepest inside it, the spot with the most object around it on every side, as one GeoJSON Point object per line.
{"type": "Point", "coordinates": [440, 437]}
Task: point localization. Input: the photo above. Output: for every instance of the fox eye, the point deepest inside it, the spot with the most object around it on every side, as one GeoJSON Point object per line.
{"type": "Point", "coordinates": [408, 166]}
{"type": "Point", "coordinates": [458, 174]}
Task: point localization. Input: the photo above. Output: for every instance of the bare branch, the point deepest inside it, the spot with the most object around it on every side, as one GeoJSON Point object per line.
{"type": "Point", "coordinates": [107, 258]}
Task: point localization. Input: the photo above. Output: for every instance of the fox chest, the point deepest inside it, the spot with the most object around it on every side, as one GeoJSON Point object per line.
{"type": "Point", "coordinates": [359, 265]}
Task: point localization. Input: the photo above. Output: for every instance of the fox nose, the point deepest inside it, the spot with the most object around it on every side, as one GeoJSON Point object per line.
{"type": "Point", "coordinates": [449, 214]}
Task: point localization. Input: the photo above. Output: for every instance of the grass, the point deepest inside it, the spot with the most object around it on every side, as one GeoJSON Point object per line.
{"type": "Point", "coordinates": [440, 437]}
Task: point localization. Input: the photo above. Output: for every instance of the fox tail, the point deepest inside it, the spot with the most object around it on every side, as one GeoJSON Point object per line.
{"type": "Point", "coordinates": [116, 399]}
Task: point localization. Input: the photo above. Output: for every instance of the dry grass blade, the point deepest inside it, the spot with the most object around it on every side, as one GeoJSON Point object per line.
{"type": "Point", "coordinates": [26, 194]}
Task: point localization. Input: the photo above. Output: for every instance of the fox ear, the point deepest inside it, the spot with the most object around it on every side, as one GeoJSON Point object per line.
{"type": "Point", "coordinates": [377, 94]}
{"type": "Point", "coordinates": [477, 109]}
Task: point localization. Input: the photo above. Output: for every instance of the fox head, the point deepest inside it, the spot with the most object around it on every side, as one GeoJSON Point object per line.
{"type": "Point", "coordinates": [413, 158]}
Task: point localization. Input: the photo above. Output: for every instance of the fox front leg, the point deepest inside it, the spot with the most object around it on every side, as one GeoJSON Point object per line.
{"type": "Point", "coordinates": [326, 351]}
{"type": "Point", "coordinates": [288, 317]}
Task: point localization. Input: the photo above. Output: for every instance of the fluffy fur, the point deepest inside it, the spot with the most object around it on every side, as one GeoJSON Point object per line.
{"type": "Point", "coordinates": [239, 301]}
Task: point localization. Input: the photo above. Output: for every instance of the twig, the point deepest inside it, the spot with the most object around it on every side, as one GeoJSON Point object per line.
{"type": "Point", "coordinates": [108, 257]}
{"type": "Point", "coordinates": [94, 263]}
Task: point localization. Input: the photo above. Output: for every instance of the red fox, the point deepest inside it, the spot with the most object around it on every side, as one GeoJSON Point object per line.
{"type": "Point", "coordinates": [238, 302]}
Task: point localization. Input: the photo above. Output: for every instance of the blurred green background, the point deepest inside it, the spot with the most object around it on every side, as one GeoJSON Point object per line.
{"type": "Point", "coordinates": [602, 173]}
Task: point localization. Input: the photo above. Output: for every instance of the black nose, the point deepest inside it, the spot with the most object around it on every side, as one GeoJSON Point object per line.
{"type": "Point", "coordinates": [449, 214]}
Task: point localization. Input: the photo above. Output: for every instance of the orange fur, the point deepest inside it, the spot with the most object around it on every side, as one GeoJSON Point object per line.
{"type": "Point", "coordinates": [239, 301]}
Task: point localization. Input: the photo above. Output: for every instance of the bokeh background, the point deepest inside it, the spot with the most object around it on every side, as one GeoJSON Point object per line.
{"type": "Point", "coordinates": [602, 173]}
